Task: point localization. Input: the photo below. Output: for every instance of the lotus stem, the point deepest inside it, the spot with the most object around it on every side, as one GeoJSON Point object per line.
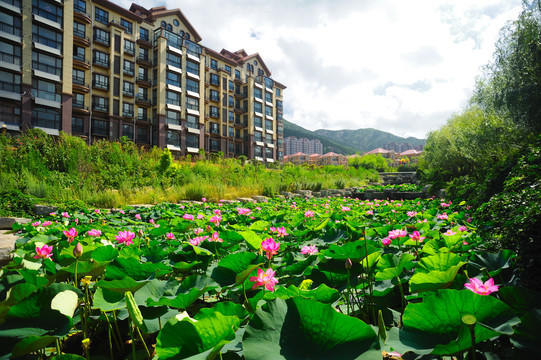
{"type": "Point", "coordinates": [143, 340]}
{"type": "Point", "coordinates": [130, 325]}
{"type": "Point", "coordinates": [58, 351]}
{"type": "Point", "coordinates": [76, 283]}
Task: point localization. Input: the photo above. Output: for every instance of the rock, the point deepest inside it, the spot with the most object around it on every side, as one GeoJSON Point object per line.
{"type": "Point", "coordinates": [7, 222]}
{"type": "Point", "coordinates": [246, 200]}
{"type": "Point", "coordinates": [43, 210]}
{"type": "Point", "coordinates": [7, 245]}
{"type": "Point", "coordinates": [260, 198]}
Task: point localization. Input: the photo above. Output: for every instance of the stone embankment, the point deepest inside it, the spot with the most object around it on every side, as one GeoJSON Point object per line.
{"type": "Point", "coordinates": [7, 238]}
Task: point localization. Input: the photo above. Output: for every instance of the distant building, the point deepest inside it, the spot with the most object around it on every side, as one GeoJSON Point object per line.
{"type": "Point", "coordinates": [401, 147]}
{"type": "Point", "coordinates": [303, 145]}
{"type": "Point", "coordinates": [330, 158]}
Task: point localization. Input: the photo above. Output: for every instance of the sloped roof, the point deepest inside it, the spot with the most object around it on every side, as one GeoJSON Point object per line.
{"type": "Point", "coordinates": [410, 152]}
{"type": "Point", "coordinates": [377, 151]}
{"type": "Point", "coordinates": [330, 154]}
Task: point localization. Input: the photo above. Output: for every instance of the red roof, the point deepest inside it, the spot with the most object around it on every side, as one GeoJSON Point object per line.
{"type": "Point", "coordinates": [377, 151]}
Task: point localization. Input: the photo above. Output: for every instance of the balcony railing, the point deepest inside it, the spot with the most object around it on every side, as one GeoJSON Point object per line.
{"type": "Point", "coordinates": [128, 92]}
{"type": "Point", "coordinates": [102, 40]}
{"type": "Point", "coordinates": [16, 3]}
{"type": "Point", "coordinates": [129, 49]}
{"type": "Point", "coordinates": [100, 107]}
{"type": "Point", "coordinates": [100, 84]}
{"type": "Point", "coordinates": [80, 33]}
{"type": "Point", "coordinates": [127, 113]}
{"type": "Point", "coordinates": [141, 97]}
{"type": "Point", "coordinates": [101, 62]}
{"type": "Point", "coordinates": [46, 123]}
{"type": "Point", "coordinates": [129, 71]}
{"type": "Point", "coordinates": [79, 9]}
{"type": "Point", "coordinates": [192, 125]}
{"type": "Point", "coordinates": [78, 104]}
{"type": "Point", "coordinates": [47, 41]}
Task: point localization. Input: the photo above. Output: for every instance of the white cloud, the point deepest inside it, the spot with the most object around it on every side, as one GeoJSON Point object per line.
{"type": "Point", "coordinates": [398, 66]}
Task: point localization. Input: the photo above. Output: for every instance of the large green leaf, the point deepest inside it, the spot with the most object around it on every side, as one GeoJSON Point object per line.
{"type": "Point", "coordinates": [355, 251]}
{"type": "Point", "coordinates": [493, 263]}
{"type": "Point", "coordinates": [121, 286]}
{"type": "Point", "coordinates": [182, 337]}
{"type": "Point", "coordinates": [252, 239]}
{"type": "Point", "coordinates": [131, 267]}
{"type": "Point", "coordinates": [322, 293]}
{"type": "Point", "coordinates": [439, 319]}
{"type": "Point", "coordinates": [390, 266]}
{"type": "Point", "coordinates": [300, 328]}
{"type": "Point", "coordinates": [31, 344]}
{"type": "Point", "coordinates": [435, 272]}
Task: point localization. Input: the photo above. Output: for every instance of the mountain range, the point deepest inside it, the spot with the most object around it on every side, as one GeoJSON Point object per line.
{"type": "Point", "coordinates": [360, 140]}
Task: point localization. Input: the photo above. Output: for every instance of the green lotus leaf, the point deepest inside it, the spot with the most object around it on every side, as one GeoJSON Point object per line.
{"type": "Point", "coordinates": [252, 239]}
{"type": "Point", "coordinates": [226, 308]}
{"type": "Point", "coordinates": [520, 299]}
{"type": "Point", "coordinates": [300, 328]}
{"type": "Point", "coordinates": [30, 344]}
{"type": "Point", "coordinates": [260, 226]}
{"type": "Point", "coordinates": [433, 280]}
{"type": "Point", "coordinates": [121, 286]}
{"type": "Point", "coordinates": [108, 300]}
{"type": "Point", "coordinates": [392, 265]}
{"type": "Point", "coordinates": [438, 318]}
{"type": "Point", "coordinates": [131, 267]}
{"type": "Point", "coordinates": [182, 337]}
{"type": "Point", "coordinates": [440, 262]}
{"type": "Point", "coordinates": [355, 251]}
{"type": "Point", "coordinates": [526, 338]}
{"type": "Point", "coordinates": [493, 263]}
{"type": "Point", "coordinates": [322, 293]}
{"type": "Point", "coordinates": [232, 266]}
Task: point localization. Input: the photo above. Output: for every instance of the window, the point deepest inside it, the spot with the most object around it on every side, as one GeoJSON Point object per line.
{"type": "Point", "coordinates": [102, 36]}
{"type": "Point", "coordinates": [278, 92]}
{"type": "Point", "coordinates": [230, 131]}
{"type": "Point", "coordinates": [231, 85]}
{"type": "Point", "coordinates": [129, 46]}
{"type": "Point", "coordinates": [172, 117]}
{"type": "Point", "coordinates": [45, 90]}
{"type": "Point", "coordinates": [214, 95]}
{"type": "Point", "coordinates": [258, 108]}
{"type": "Point", "coordinates": [128, 88]}
{"type": "Point", "coordinates": [47, 37]}
{"type": "Point", "coordinates": [172, 98]}
{"type": "Point", "coordinates": [213, 64]}
{"type": "Point", "coordinates": [79, 6]}
{"type": "Point", "coordinates": [144, 34]}
{"type": "Point", "coordinates": [192, 67]}
{"type": "Point", "coordinates": [129, 67]}
{"type": "Point", "coordinates": [268, 138]}
{"type": "Point", "coordinates": [78, 101]}
{"type": "Point", "coordinates": [79, 77]}
{"type": "Point", "coordinates": [192, 103]}
{"type": "Point", "coordinates": [143, 54]}
{"type": "Point", "coordinates": [214, 145]}
{"type": "Point", "coordinates": [268, 153]}
{"type": "Point", "coordinates": [258, 94]}
{"type": "Point", "coordinates": [279, 116]}
{"type": "Point", "coordinates": [268, 124]}
{"type": "Point", "coordinates": [192, 85]}
{"type": "Point", "coordinates": [279, 104]}
{"type": "Point", "coordinates": [268, 111]}
{"type": "Point", "coordinates": [100, 103]}
{"type": "Point", "coordinates": [258, 151]}
{"type": "Point", "coordinates": [258, 136]}
{"type": "Point", "coordinates": [163, 24]}
{"type": "Point", "coordinates": [79, 53]}
{"type": "Point", "coordinates": [46, 63]}
{"type": "Point", "coordinates": [128, 26]}
{"type": "Point", "coordinates": [214, 112]}
{"type": "Point", "coordinates": [127, 110]}
{"type": "Point", "coordinates": [192, 121]}
{"type": "Point", "coordinates": [175, 22]}
{"type": "Point", "coordinates": [230, 116]}
{"type": "Point", "coordinates": [100, 127]}
{"type": "Point", "coordinates": [10, 24]}
{"type": "Point", "coordinates": [101, 81]}
{"type": "Point", "coordinates": [214, 128]}
{"type": "Point", "coordinates": [142, 94]}
{"type": "Point", "coordinates": [79, 29]}
{"type": "Point", "coordinates": [48, 10]}
{"type": "Point", "coordinates": [269, 83]}
{"type": "Point", "coordinates": [258, 121]}
{"type": "Point", "coordinates": [268, 97]}
{"type": "Point", "coordinates": [10, 53]}
{"type": "Point", "coordinates": [228, 69]}
{"type": "Point", "coordinates": [102, 16]}
{"type": "Point", "coordinates": [77, 125]}
{"type": "Point", "coordinates": [143, 74]}
{"type": "Point", "coordinates": [192, 141]}
{"type": "Point", "coordinates": [214, 79]}
{"type": "Point", "coordinates": [172, 78]}
{"type": "Point", "coordinates": [174, 60]}
{"type": "Point", "coordinates": [169, 27]}
{"type": "Point", "coordinates": [142, 135]}
{"type": "Point", "coordinates": [142, 114]}
{"type": "Point", "coordinates": [231, 101]}
{"type": "Point", "coordinates": [237, 74]}
{"type": "Point", "coordinates": [46, 117]}
{"type": "Point", "coordinates": [173, 138]}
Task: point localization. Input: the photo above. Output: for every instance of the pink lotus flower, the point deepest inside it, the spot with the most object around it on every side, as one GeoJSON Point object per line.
{"type": "Point", "coordinates": [65, 214]}
{"type": "Point", "coordinates": [243, 211]}
{"type": "Point", "coordinates": [197, 240]}
{"type": "Point", "coordinates": [216, 219]}
{"type": "Point", "coordinates": [151, 221]}
{"type": "Point", "coordinates": [125, 237]}
{"type": "Point", "coordinates": [122, 212]}
{"type": "Point", "coordinates": [270, 246]}
{"type": "Point", "coordinates": [370, 212]}
{"type": "Point", "coordinates": [138, 217]}
{"type": "Point", "coordinates": [449, 233]}
{"type": "Point", "coordinates": [264, 278]}
{"type": "Point", "coordinates": [78, 250]}
{"type": "Point", "coordinates": [345, 208]}
{"type": "Point", "coordinates": [411, 213]}
{"type": "Point", "coordinates": [468, 220]}
{"type": "Point", "coordinates": [188, 217]}
{"type": "Point", "coordinates": [170, 236]}
{"type": "Point", "coordinates": [393, 234]}
{"type": "Point", "coordinates": [309, 213]}
{"type": "Point", "coordinates": [464, 243]}
{"type": "Point", "coordinates": [445, 205]}
{"type": "Point", "coordinates": [217, 212]}
{"type": "Point", "coordinates": [36, 224]}
{"type": "Point", "coordinates": [52, 214]}
{"type": "Point", "coordinates": [94, 233]}
{"type": "Point", "coordinates": [443, 216]}
{"type": "Point", "coordinates": [76, 221]}
{"type": "Point", "coordinates": [46, 223]}
{"type": "Point", "coordinates": [70, 234]}
{"type": "Point", "coordinates": [97, 211]}
{"type": "Point", "coordinates": [462, 228]}
{"type": "Point", "coordinates": [215, 237]}
{"type": "Point", "coordinates": [309, 250]}
{"type": "Point", "coordinates": [44, 252]}
{"type": "Point", "coordinates": [417, 236]}
{"type": "Point", "coordinates": [386, 241]}
{"type": "Point", "coordinates": [200, 216]}
{"type": "Point", "coordinates": [478, 287]}
{"type": "Point", "coordinates": [203, 200]}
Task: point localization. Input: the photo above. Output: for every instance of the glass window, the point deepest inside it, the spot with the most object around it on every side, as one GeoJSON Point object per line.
{"type": "Point", "coordinates": [100, 127]}
{"type": "Point", "coordinates": [102, 16]}
{"type": "Point", "coordinates": [279, 104]}
{"type": "Point", "coordinates": [77, 125]}
{"type": "Point", "coordinates": [142, 93]}
{"type": "Point", "coordinates": [268, 138]}
{"type": "Point", "coordinates": [214, 95]}
{"type": "Point", "coordinates": [192, 85]}
{"type": "Point", "coordinates": [268, 111]}
{"type": "Point", "coordinates": [100, 103]}
{"type": "Point", "coordinates": [213, 64]}
{"type": "Point", "coordinates": [47, 37]}
{"type": "Point", "coordinates": [127, 110]}
{"type": "Point", "coordinates": [214, 128]}
{"type": "Point", "coordinates": [10, 24]}
{"type": "Point", "coordinates": [143, 73]}
{"type": "Point", "coordinates": [174, 60]}
{"type": "Point", "coordinates": [192, 121]}
{"type": "Point", "coordinates": [128, 88]}
{"type": "Point", "coordinates": [258, 121]}
{"type": "Point", "coordinates": [258, 108]}
{"type": "Point", "coordinates": [129, 46]}
{"type": "Point", "coordinates": [175, 22]}
{"type": "Point", "coordinates": [143, 54]}
{"type": "Point", "coordinates": [128, 26]}
{"type": "Point", "coordinates": [10, 53]}
{"type": "Point", "coordinates": [214, 145]}
{"type": "Point", "coordinates": [142, 114]}
{"type": "Point", "coordinates": [268, 124]}
{"type": "Point", "coordinates": [172, 117]}
{"type": "Point", "coordinates": [129, 67]}
{"type": "Point", "coordinates": [172, 97]}
{"type": "Point", "coordinates": [79, 77]}
{"type": "Point", "coordinates": [214, 112]}
{"type": "Point", "coordinates": [102, 36]}
{"type": "Point", "coordinates": [78, 100]}
{"type": "Point", "coordinates": [278, 92]}
{"type": "Point", "coordinates": [172, 78]}
{"type": "Point", "coordinates": [173, 138]}
{"type": "Point", "coordinates": [192, 103]}
{"type": "Point", "coordinates": [46, 90]}
{"type": "Point", "coordinates": [258, 93]}
{"type": "Point", "coordinates": [258, 151]}
{"type": "Point", "coordinates": [48, 10]}
{"type": "Point", "coordinates": [268, 153]}
{"type": "Point", "coordinates": [214, 79]}
{"type": "Point", "coordinates": [237, 74]}
{"type": "Point", "coordinates": [79, 53]}
{"type": "Point", "coordinates": [192, 67]}
{"type": "Point", "coordinates": [144, 34]}
{"type": "Point", "coordinates": [46, 63]}
{"type": "Point", "coordinates": [192, 140]}
{"type": "Point", "coordinates": [228, 69]}
{"type": "Point", "coordinates": [258, 136]}
{"type": "Point", "coordinates": [46, 117]}
{"type": "Point", "coordinates": [231, 101]}
{"type": "Point", "coordinates": [100, 81]}
{"type": "Point", "coordinates": [79, 6]}
{"type": "Point", "coordinates": [268, 97]}
{"type": "Point", "coordinates": [79, 29]}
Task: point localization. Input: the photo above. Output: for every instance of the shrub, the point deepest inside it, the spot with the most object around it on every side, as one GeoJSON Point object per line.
{"type": "Point", "coordinates": [16, 203]}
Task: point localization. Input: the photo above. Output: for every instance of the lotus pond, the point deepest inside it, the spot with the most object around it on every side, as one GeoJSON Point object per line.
{"type": "Point", "coordinates": [331, 278]}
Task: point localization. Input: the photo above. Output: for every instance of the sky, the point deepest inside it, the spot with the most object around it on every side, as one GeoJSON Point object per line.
{"type": "Point", "coordinates": [399, 66]}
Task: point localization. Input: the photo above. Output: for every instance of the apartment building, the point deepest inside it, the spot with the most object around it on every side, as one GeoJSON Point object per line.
{"type": "Point", "coordinates": [294, 145]}
{"type": "Point", "coordinates": [99, 71]}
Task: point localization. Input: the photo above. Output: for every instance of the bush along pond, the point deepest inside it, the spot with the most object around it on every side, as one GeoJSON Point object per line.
{"type": "Point", "coordinates": [320, 278]}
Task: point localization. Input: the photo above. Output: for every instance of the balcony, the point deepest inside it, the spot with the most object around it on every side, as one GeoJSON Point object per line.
{"type": "Point", "coordinates": [102, 40]}
{"type": "Point", "coordinates": [129, 71]}
{"type": "Point", "coordinates": [80, 85]}
{"type": "Point", "coordinates": [143, 80]}
{"type": "Point", "coordinates": [101, 62]}
{"type": "Point", "coordinates": [103, 85]}
{"type": "Point", "coordinates": [143, 118]}
{"type": "Point", "coordinates": [128, 92]}
{"type": "Point", "coordinates": [100, 107]}
{"type": "Point", "coordinates": [143, 100]}
{"type": "Point", "coordinates": [130, 50]}
{"type": "Point", "coordinates": [144, 42]}
{"type": "Point", "coordinates": [127, 113]}
{"type": "Point", "coordinates": [80, 62]}
{"type": "Point", "coordinates": [79, 107]}
{"type": "Point", "coordinates": [10, 91]}
{"type": "Point", "coordinates": [99, 130]}
{"type": "Point", "coordinates": [10, 61]}
{"type": "Point", "coordinates": [80, 14]}
{"type": "Point", "coordinates": [10, 32]}
{"type": "Point", "coordinates": [144, 60]}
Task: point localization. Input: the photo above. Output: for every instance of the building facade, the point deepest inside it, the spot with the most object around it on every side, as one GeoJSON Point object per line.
{"type": "Point", "coordinates": [99, 71]}
{"type": "Point", "coordinates": [294, 145]}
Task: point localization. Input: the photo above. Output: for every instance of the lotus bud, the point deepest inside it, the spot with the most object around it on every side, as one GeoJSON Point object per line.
{"type": "Point", "coordinates": [349, 264]}
{"type": "Point", "coordinates": [78, 250]}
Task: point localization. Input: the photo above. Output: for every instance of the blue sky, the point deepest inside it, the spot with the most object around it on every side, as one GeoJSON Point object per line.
{"type": "Point", "coordinates": [399, 66]}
